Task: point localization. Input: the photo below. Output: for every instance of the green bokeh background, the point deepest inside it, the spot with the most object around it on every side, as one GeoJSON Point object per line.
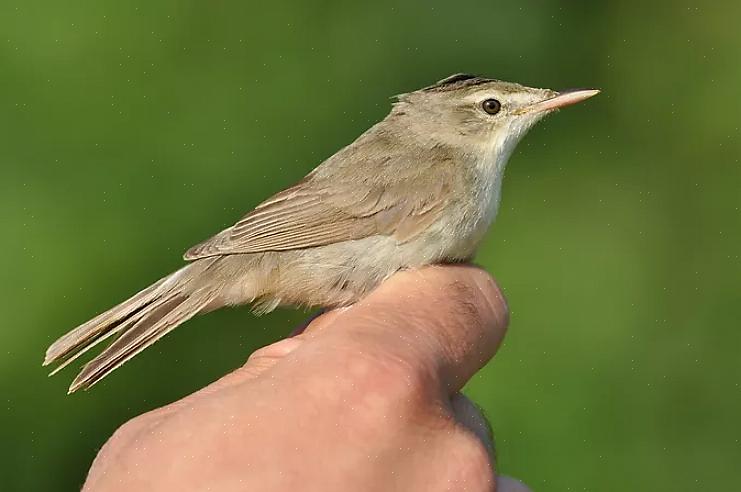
{"type": "Point", "coordinates": [129, 131]}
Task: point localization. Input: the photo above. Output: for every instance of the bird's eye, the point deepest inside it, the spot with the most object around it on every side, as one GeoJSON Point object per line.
{"type": "Point", "coordinates": [491, 106]}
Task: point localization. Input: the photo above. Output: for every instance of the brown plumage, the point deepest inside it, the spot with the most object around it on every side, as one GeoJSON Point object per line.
{"type": "Point", "coordinates": [420, 187]}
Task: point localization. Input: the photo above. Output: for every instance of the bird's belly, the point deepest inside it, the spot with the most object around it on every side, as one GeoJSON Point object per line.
{"type": "Point", "coordinates": [332, 275]}
{"type": "Point", "coordinates": [339, 274]}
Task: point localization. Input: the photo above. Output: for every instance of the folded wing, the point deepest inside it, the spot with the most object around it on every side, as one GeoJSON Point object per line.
{"type": "Point", "coordinates": [312, 214]}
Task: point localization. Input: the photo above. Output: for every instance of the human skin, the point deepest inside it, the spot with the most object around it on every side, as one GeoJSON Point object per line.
{"type": "Point", "coordinates": [364, 399]}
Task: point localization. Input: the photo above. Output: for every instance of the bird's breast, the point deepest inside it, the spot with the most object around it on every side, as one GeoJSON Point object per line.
{"type": "Point", "coordinates": [467, 219]}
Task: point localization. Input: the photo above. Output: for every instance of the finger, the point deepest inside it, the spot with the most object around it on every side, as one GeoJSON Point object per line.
{"type": "Point", "coordinates": [470, 416]}
{"type": "Point", "coordinates": [448, 319]}
{"type": "Point", "coordinates": [509, 484]}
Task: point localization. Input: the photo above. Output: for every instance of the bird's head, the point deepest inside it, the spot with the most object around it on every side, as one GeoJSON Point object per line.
{"type": "Point", "coordinates": [478, 114]}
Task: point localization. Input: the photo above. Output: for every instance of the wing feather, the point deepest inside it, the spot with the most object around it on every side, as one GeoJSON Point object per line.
{"type": "Point", "coordinates": [326, 208]}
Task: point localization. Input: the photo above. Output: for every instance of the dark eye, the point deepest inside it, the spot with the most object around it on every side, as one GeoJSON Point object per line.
{"type": "Point", "coordinates": [491, 106]}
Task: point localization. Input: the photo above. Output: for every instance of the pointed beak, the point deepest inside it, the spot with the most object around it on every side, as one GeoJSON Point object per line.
{"type": "Point", "coordinates": [561, 100]}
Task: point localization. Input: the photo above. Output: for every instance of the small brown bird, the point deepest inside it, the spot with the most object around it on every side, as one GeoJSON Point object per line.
{"type": "Point", "coordinates": [420, 187]}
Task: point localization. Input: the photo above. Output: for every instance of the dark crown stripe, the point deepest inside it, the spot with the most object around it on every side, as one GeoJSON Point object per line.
{"type": "Point", "coordinates": [456, 81]}
{"type": "Point", "coordinates": [458, 77]}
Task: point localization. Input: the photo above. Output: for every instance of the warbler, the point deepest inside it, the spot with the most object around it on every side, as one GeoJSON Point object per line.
{"type": "Point", "coordinates": [420, 187]}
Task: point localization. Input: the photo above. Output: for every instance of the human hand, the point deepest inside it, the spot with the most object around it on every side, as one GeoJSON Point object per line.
{"type": "Point", "coordinates": [365, 399]}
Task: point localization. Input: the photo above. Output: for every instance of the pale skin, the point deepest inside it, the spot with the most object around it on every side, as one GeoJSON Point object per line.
{"type": "Point", "coordinates": [366, 398]}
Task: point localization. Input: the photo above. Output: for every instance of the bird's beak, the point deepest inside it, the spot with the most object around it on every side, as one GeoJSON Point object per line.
{"type": "Point", "coordinates": [561, 100]}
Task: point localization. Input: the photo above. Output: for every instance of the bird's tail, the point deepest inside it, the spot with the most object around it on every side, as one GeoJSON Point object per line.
{"type": "Point", "coordinates": [136, 323]}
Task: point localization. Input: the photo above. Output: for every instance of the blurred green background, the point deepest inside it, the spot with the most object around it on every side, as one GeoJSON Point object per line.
{"type": "Point", "coordinates": [130, 131]}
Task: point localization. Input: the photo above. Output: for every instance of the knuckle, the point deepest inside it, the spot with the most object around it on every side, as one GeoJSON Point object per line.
{"type": "Point", "coordinates": [493, 297]}
{"type": "Point", "coordinates": [475, 294]}
{"type": "Point", "coordinates": [490, 296]}
{"type": "Point", "coordinates": [465, 303]}
{"type": "Point", "coordinates": [476, 303]}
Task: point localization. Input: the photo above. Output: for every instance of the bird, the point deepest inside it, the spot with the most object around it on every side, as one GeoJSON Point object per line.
{"type": "Point", "coordinates": [420, 187]}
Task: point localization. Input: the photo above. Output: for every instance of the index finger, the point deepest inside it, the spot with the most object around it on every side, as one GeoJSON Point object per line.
{"type": "Point", "coordinates": [448, 318]}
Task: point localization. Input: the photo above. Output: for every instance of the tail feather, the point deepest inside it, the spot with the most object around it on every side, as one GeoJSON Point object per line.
{"type": "Point", "coordinates": [137, 322]}
{"type": "Point", "coordinates": [107, 331]}
{"type": "Point", "coordinates": [87, 332]}
{"type": "Point", "coordinates": [141, 335]}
